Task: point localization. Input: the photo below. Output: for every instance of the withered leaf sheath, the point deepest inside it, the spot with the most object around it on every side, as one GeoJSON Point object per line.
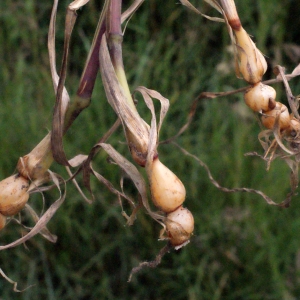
{"type": "Point", "coordinates": [135, 128]}
{"type": "Point", "coordinates": [35, 164]}
{"type": "Point", "coordinates": [250, 62]}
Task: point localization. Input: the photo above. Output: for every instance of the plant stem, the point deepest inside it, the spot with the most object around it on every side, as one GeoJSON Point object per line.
{"type": "Point", "coordinates": [231, 14]}
{"type": "Point", "coordinates": [89, 74]}
{"type": "Point", "coordinates": [115, 39]}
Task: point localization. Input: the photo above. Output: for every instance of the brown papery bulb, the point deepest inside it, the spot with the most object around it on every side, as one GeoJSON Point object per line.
{"type": "Point", "coordinates": [2, 221]}
{"type": "Point", "coordinates": [167, 191]}
{"type": "Point", "coordinates": [180, 226]}
{"type": "Point", "coordinates": [252, 64]}
{"type": "Point", "coordinates": [260, 97]}
{"type": "Point", "coordinates": [295, 126]}
{"type": "Point", "coordinates": [281, 111]}
{"type": "Point", "coordinates": [13, 194]}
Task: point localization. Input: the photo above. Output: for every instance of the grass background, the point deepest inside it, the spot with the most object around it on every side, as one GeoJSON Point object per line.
{"type": "Point", "coordinates": [242, 248]}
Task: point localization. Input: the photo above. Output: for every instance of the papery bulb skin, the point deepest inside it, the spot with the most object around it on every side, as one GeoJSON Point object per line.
{"type": "Point", "coordinates": [2, 221]}
{"type": "Point", "coordinates": [35, 164]}
{"type": "Point", "coordinates": [167, 191]}
{"type": "Point", "coordinates": [281, 111]}
{"type": "Point", "coordinates": [179, 226]}
{"type": "Point", "coordinates": [231, 14]}
{"type": "Point", "coordinates": [252, 64]}
{"type": "Point", "coordinates": [294, 129]}
{"type": "Point", "coordinates": [13, 194]}
{"type": "Point", "coordinates": [260, 97]}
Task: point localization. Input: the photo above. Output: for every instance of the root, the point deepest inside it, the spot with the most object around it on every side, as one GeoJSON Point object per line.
{"type": "Point", "coordinates": [151, 264]}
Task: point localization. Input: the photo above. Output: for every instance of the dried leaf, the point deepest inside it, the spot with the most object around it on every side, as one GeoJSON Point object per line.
{"type": "Point", "coordinates": [61, 103]}
{"type": "Point", "coordinates": [44, 231]}
{"type": "Point", "coordinates": [87, 165]}
{"type": "Point", "coordinates": [13, 282]}
{"type": "Point", "coordinates": [131, 10]}
{"type": "Point", "coordinates": [211, 2]}
{"type": "Point", "coordinates": [52, 55]}
{"type": "Point", "coordinates": [296, 71]}
{"type": "Point", "coordinates": [77, 160]}
{"type": "Point", "coordinates": [290, 97]}
{"type": "Point", "coordinates": [133, 174]}
{"type": "Point", "coordinates": [154, 130]}
{"type": "Point", "coordinates": [135, 128]}
{"type": "Point", "coordinates": [112, 189]}
{"type": "Point", "coordinates": [75, 5]}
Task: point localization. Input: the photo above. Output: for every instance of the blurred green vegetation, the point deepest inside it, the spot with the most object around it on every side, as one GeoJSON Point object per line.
{"type": "Point", "coordinates": [242, 248]}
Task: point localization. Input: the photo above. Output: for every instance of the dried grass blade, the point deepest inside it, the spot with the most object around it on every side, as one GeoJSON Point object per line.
{"type": "Point", "coordinates": [279, 140]}
{"type": "Point", "coordinates": [51, 48]}
{"type": "Point", "coordinates": [131, 10]}
{"type": "Point", "coordinates": [134, 175]}
{"type": "Point", "coordinates": [61, 103]}
{"type": "Point", "coordinates": [211, 2]}
{"type": "Point", "coordinates": [154, 129]}
{"type": "Point", "coordinates": [86, 167]}
{"type": "Point", "coordinates": [165, 103]}
{"type": "Point", "coordinates": [135, 128]}
{"type": "Point", "coordinates": [72, 178]}
{"type": "Point", "coordinates": [296, 71]}
{"type": "Point", "coordinates": [13, 282]}
{"type": "Point", "coordinates": [290, 97]}
{"type": "Point", "coordinates": [264, 139]}
{"type": "Point", "coordinates": [112, 189]}
{"type": "Point", "coordinates": [75, 5]}
{"type": "Point", "coordinates": [44, 231]}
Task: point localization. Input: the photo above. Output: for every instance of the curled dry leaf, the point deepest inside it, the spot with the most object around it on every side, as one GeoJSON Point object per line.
{"type": "Point", "coordinates": [44, 231]}
{"type": "Point", "coordinates": [293, 103]}
{"type": "Point", "coordinates": [15, 284]}
{"type": "Point", "coordinates": [213, 3]}
{"type": "Point", "coordinates": [134, 175]}
{"type": "Point", "coordinates": [62, 103]}
{"type": "Point", "coordinates": [131, 10]}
